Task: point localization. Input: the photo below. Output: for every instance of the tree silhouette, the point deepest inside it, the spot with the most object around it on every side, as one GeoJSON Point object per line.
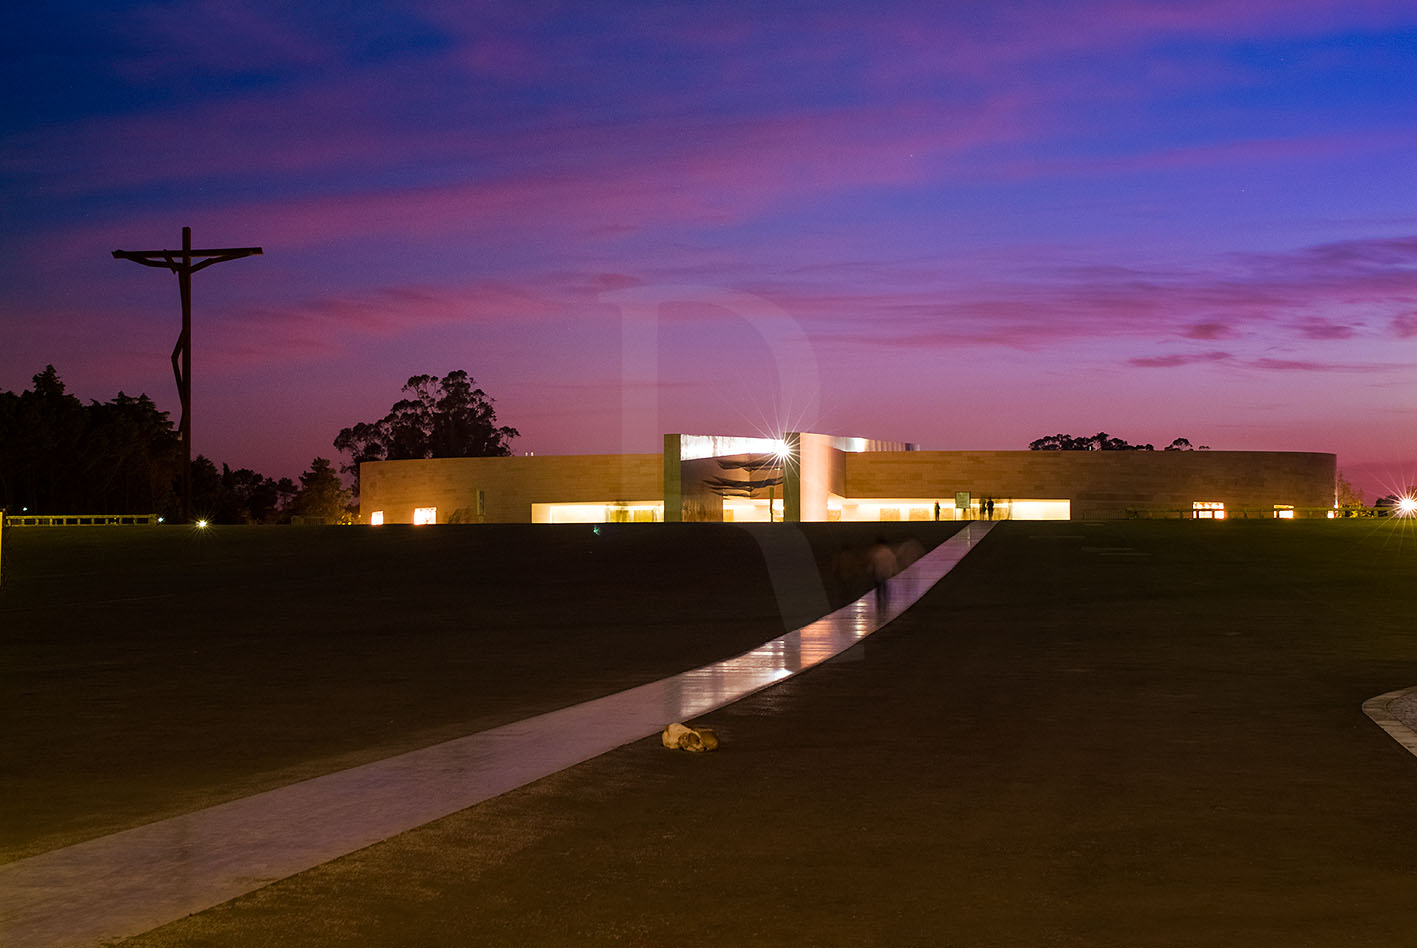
{"type": "Point", "coordinates": [58, 455]}
{"type": "Point", "coordinates": [1101, 441]}
{"type": "Point", "coordinates": [440, 418]}
{"type": "Point", "coordinates": [1347, 496]}
{"type": "Point", "coordinates": [239, 496]}
{"type": "Point", "coordinates": [322, 496]}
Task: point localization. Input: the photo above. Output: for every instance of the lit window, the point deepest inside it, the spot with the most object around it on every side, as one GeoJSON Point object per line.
{"type": "Point", "coordinates": [1283, 511]}
{"type": "Point", "coordinates": [425, 515]}
{"type": "Point", "coordinates": [376, 519]}
{"type": "Point", "coordinates": [1208, 510]}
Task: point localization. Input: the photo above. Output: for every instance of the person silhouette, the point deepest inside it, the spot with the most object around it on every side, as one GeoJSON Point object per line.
{"type": "Point", "coordinates": [882, 564]}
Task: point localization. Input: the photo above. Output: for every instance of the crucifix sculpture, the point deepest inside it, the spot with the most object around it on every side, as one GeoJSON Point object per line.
{"type": "Point", "coordinates": [184, 263]}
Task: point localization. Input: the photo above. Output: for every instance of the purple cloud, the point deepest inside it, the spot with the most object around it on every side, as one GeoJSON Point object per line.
{"type": "Point", "coordinates": [1179, 359]}
{"type": "Point", "coordinates": [1316, 365]}
{"type": "Point", "coordinates": [1208, 330]}
{"type": "Point", "coordinates": [1314, 328]}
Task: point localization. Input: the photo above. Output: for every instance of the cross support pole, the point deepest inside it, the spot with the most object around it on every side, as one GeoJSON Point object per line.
{"type": "Point", "coordinates": [184, 263]}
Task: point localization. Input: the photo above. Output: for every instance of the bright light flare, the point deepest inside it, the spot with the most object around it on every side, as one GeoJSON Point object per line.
{"type": "Point", "coordinates": [201, 524]}
{"type": "Point", "coordinates": [1406, 506]}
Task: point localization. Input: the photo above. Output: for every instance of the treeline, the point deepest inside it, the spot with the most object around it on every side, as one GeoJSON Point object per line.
{"type": "Point", "coordinates": [1102, 441]}
{"type": "Point", "coordinates": [124, 456]}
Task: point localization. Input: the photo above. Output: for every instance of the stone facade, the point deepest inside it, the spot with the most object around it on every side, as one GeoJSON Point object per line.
{"type": "Point", "coordinates": [1104, 484]}
{"type": "Point", "coordinates": [1096, 484]}
{"type": "Point", "coordinates": [508, 486]}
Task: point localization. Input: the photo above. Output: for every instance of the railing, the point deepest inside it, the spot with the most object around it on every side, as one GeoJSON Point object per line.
{"type": "Point", "coordinates": [81, 520]}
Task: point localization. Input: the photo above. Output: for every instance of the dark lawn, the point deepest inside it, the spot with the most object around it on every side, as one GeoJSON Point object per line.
{"type": "Point", "coordinates": [152, 670]}
{"type": "Point", "coordinates": [1122, 734]}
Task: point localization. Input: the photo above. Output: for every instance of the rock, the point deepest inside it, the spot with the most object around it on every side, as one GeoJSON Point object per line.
{"type": "Point", "coordinates": [693, 739]}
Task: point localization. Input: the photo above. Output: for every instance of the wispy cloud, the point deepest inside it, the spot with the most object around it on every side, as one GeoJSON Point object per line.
{"type": "Point", "coordinates": [1245, 299]}
{"type": "Point", "coordinates": [1178, 359]}
{"type": "Point", "coordinates": [1264, 363]}
{"type": "Point", "coordinates": [1316, 365]}
{"type": "Point", "coordinates": [1314, 328]}
{"type": "Point", "coordinates": [325, 326]}
{"type": "Point", "coordinates": [1208, 330]}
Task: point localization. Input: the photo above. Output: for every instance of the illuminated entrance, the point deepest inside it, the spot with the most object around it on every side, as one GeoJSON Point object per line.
{"type": "Point", "coordinates": [1208, 510]}
{"type": "Point", "coordinates": [611, 511]}
{"type": "Point", "coordinates": [926, 508]}
{"type": "Point", "coordinates": [803, 477]}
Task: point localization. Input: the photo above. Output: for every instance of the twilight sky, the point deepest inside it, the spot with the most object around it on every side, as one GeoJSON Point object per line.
{"type": "Point", "coordinates": [963, 224]}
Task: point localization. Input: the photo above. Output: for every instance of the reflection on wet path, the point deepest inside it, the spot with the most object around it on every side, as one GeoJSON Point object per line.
{"type": "Point", "coordinates": [130, 882]}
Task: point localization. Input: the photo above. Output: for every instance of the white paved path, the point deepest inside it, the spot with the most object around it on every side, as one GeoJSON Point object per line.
{"type": "Point", "coordinates": [1396, 713]}
{"type": "Point", "coordinates": [130, 882]}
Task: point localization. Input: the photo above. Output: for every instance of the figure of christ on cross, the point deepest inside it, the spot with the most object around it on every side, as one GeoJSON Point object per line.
{"type": "Point", "coordinates": [184, 263]}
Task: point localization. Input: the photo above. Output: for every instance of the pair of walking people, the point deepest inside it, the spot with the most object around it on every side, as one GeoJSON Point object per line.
{"type": "Point", "coordinates": [986, 509]}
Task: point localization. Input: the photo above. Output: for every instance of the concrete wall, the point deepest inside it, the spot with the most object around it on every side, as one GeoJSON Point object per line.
{"type": "Point", "coordinates": [1102, 484]}
{"type": "Point", "coordinates": [1099, 484]}
{"type": "Point", "coordinates": [509, 486]}
{"type": "Point", "coordinates": [673, 479]}
{"type": "Point", "coordinates": [819, 470]}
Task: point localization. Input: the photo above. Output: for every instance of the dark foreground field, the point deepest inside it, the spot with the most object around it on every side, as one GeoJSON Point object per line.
{"type": "Point", "coordinates": [1122, 734]}
{"type": "Point", "coordinates": [153, 670]}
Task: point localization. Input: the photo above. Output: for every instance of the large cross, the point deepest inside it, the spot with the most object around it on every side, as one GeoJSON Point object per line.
{"type": "Point", "coordinates": [184, 263]}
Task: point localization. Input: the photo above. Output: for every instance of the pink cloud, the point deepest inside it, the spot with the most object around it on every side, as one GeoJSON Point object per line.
{"type": "Point", "coordinates": [1027, 31]}
{"type": "Point", "coordinates": [1314, 328]}
{"type": "Point", "coordinates": [1314, 365]}
{"type": "Point", "coordinates": [326, 326]}
{"type": "Point", "coordinates": [504, 57]}
{"type": "Point", "coordinates": [1226, 154]}
{"type": "Point", "coordinates": [1171, 361]}
{"type": "Point", "coordinates": [630, 177]}
{"type": "Point", "coordinates": [1208, 330]}
{"type": "Point", "coordinates": [1074, 304]}
{"type": "Point", "coordinates": [1376, 252]}
{"type": "Point", "coordinates": [1249, 298]}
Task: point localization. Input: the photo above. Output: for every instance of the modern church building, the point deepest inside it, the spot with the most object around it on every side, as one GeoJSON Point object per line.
{"type": "Point", "coordinates": [815, 477]}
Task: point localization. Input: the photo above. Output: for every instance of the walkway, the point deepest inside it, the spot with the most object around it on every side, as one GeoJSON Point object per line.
{"type": "Point", "coordinates": [1396, 713]}
{"type": "Point", "coordinates": [130, 882]}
